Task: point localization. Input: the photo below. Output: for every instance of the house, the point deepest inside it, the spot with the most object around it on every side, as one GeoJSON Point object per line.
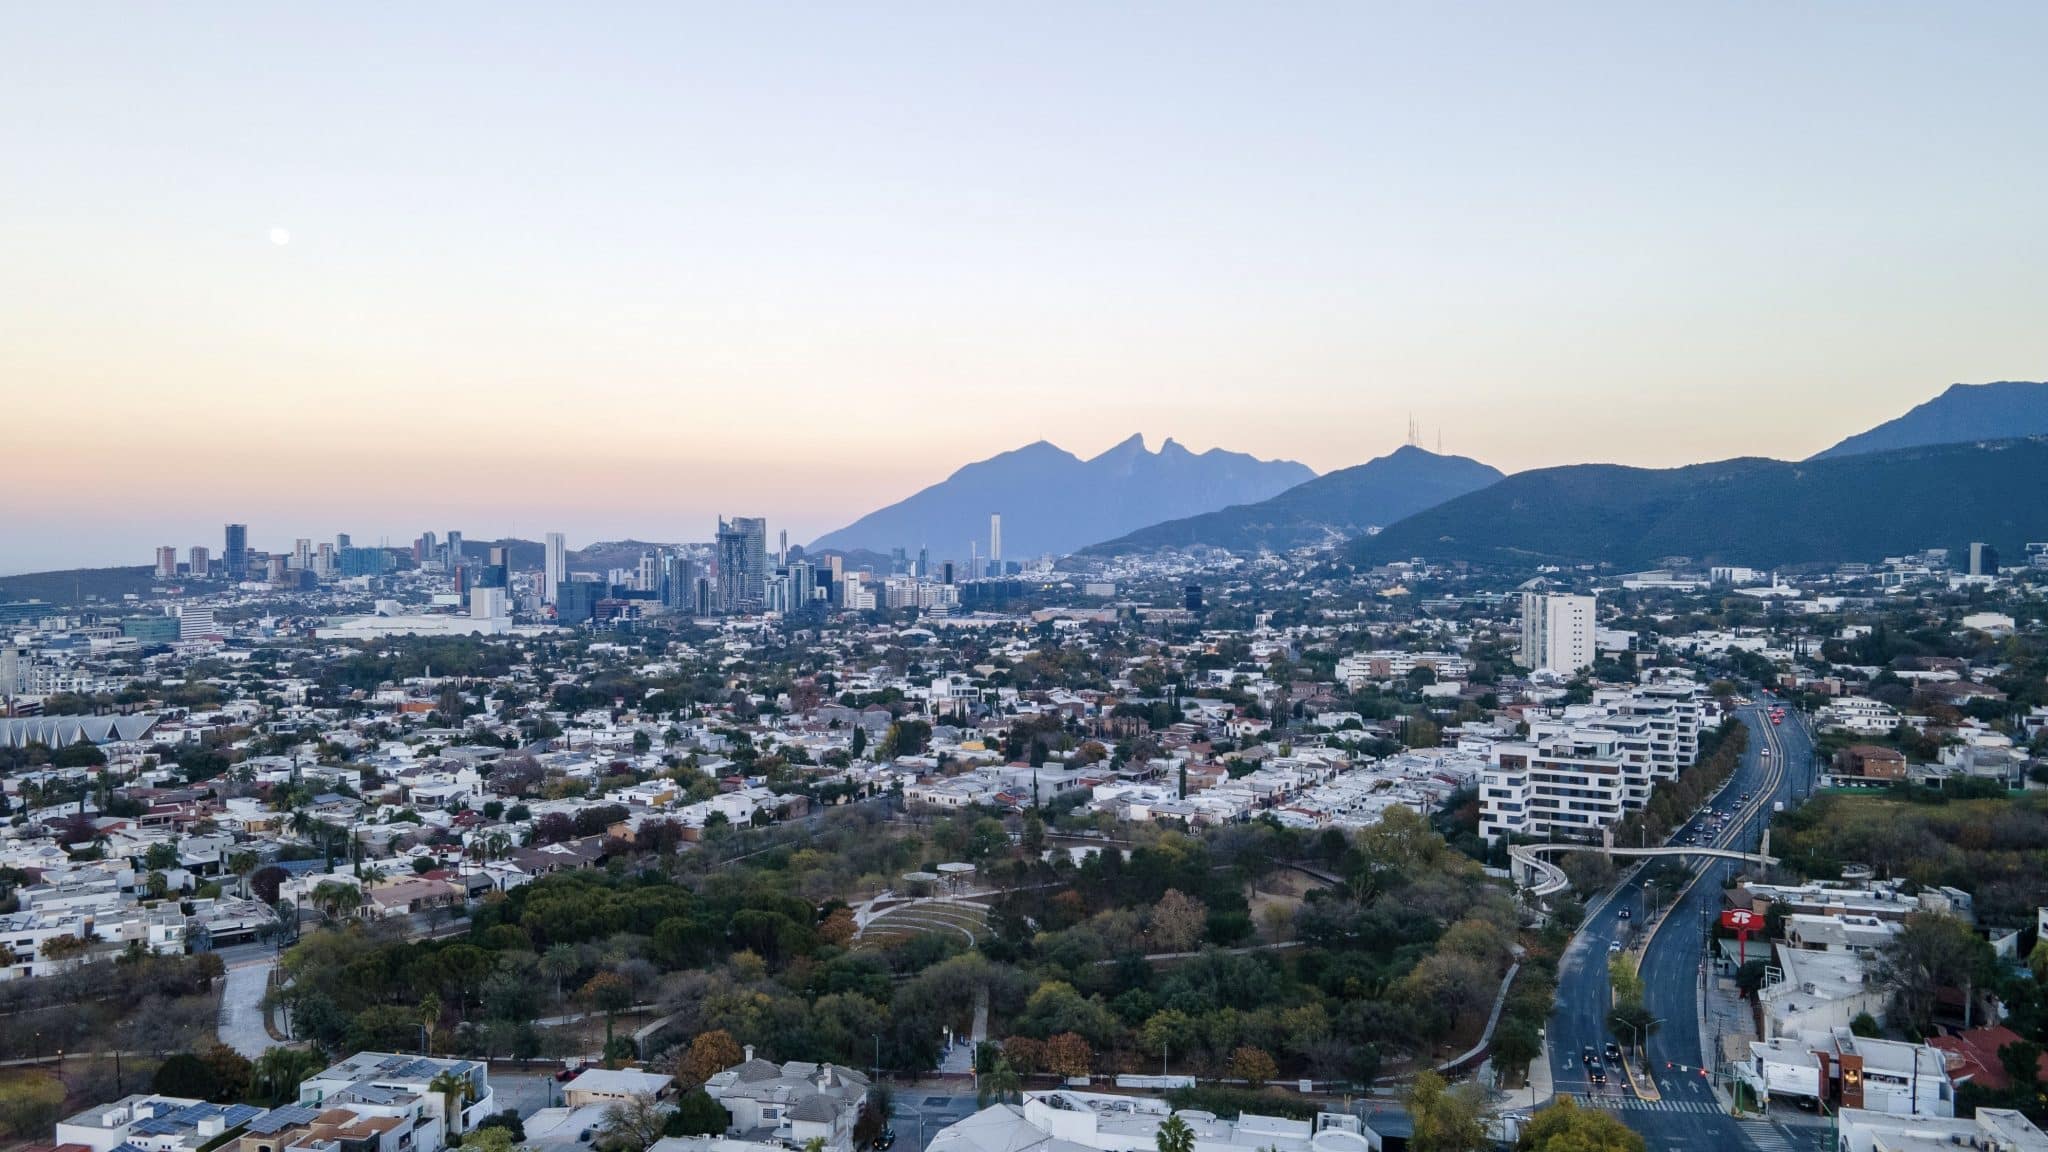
{"type": "Point", "coordinates": [1069, 1121]}
{"type": "Point", "coordinates": [153, 1124]}
{"type": "Point", "coordinates": [611, 1085]}
{"type": "Point", "coordinates": [794, 1102]}
{"type": "Point", "coordinates": [409, 1089]}
{"type": "Point", "coordinates": [1973, 1056]}
{"type": "Point", "coordinates": [1861, 762]}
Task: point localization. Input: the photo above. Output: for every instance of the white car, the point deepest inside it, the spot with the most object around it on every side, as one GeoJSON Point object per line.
{"type": "Point", "coordinates": [1766, 752]}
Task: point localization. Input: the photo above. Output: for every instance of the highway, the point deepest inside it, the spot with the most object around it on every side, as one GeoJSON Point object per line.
{"type": "Point", "coordinates": [1677, 1109]}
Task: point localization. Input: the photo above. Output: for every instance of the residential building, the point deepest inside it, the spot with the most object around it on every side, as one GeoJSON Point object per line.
{"type": "Point", "coordinates": [742, 564]}
{"type": "Point", "coordinates": [557, 565]}
{"type": "Point", "coordinates": [1557, 632]}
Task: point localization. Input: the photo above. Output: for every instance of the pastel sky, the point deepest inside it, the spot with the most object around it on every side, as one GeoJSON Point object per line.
{"type": "Point", "coordinates": [617, 268]}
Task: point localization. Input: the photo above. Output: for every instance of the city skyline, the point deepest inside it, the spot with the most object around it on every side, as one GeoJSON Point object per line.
{"type": "Point", "coordinates": [468, 288]}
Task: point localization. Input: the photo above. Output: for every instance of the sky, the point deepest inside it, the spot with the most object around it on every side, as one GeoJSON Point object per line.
{"type": "Point", "coordinates": [616, 269]}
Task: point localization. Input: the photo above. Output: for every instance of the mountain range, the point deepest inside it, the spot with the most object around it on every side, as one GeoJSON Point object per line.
{"type": "Point", "coordinates": [1748, 511]}
{"type": "Point", "coordinates": [1053, 501]}
{"type": "Point", "coordinates": [1326, 510]}
{"type": "Point", "coordinates": [1963, 413]}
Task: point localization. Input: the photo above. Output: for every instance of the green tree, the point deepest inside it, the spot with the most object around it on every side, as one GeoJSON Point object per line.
{"type": "Point", "coordinates": [453, 1088]}
{"type": "Point", "coordinates": [697, 1114]}
{"type": "Point", "coordinates": [1515, 1044]}
{"type": "Point", "coordinates": [1175, 1136]}
{"type": "Point", "coordinates": [1445, 1118]}
{"type": "Point", "coordinates": [1566, 1127]}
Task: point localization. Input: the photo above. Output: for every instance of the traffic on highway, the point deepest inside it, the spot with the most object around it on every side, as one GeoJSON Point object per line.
{"type": "Point", "coordinates": [1662, 1084]}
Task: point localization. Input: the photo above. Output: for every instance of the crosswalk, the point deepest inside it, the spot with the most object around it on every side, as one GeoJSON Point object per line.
{"type": "Point", "coordinates": [1632, 1104]}
{"type": "Point", "coordinates": [1765, 1135]}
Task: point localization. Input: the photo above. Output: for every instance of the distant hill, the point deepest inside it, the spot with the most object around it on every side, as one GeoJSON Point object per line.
{"type": "Point", "coordinates": [1337, 506]}
{"type": "Point", "coordinates": [1964, 413]}
{"type": "Point", "coordinates": [1748, 511]}
{"type": "Point", "coordinates": [1053, 501]}
{"type": "Point", "coordinates": [77, 585]}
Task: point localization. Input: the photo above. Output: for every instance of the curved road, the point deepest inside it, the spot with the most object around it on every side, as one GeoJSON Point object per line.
{"type": "Point", "coordinates": [1684, 1114]}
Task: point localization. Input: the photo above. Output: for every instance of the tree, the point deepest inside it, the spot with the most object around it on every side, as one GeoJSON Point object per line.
{"type": "Point", "coordinates": [559, 963]}
{"type": "Point", "coordinates": [632, 1124]}
{"type": "Point", "coordinates": [185, 1075]}
{"type": "Point", "coordinates": [495, 1139]}
{"type": "Point", "coordinates": [230, 1070]}
{"type": "Point", "coordinates": [2021, 1060]}
{"type": "Point", "coordinates": [710, 1053]}
{"type": "Point", "coordinates": [1515, 1044]}
{"type": "Point", "coordinates": [1866, 1026]}
{"type": "Point", "coordinates": [275, 1077]}
{"type": "Point", "coordinates": [1002, 1082]}
{"type": "Point", "coordinates": [1175, 1136]}
{"type": "Point", "coordinates": [1252, 1065]}
{"type": "Point", "coordinates": [1932, 952]}
{"type": "Point", "coordinates": [697, 1114]}
{"type": "Point", "coordinates": [1445, 1118]}
{"type": "Point", "coordinates": [1178, 921]}
{"type": "Point", "coordinates": [453, 1088]}
{"type": "Point", "coordinates": [1566, 1127]}
{"type": "Point", "coordinates": [609, 993]}
{"type": "Point", "coordinates": [1068, 1054]}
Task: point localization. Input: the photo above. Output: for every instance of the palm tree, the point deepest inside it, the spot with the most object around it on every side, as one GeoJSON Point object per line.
{"type": "Point", "coordinates": [242, 864]}
{"type": "Point", "coordinates": [453, 1088]}
{"type": "Point", "coordinates": [559, 963]}
{"type": "Point", "coordinates": [1002, 1081]}
{"type": "Point", "coordinates": [337, 899]}
{"type": "Point", "coordinates": [1175, 1136]}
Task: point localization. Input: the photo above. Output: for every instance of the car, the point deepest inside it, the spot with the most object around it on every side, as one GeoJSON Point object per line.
{"type": "Point", "coordinates": [885, 1140]}
{"type": "Point", "coordinates": [1623, 913]}
{"type": "Point", "coordinates": [1614, 945]}
{"type": "Point", "coordinates": [1595, 1072]}
{"type": "Point", "coordinates": [1613, 1052]}
{"type": "Point", "coordinates": [1587, 1055]}
{"type": "Point", "coordinates": [1765, 752]}
{"type": "Point", "coordinates": [1806, 1103]}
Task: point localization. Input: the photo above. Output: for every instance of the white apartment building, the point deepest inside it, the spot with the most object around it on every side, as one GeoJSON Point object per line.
{"type": "Point", "coordinates": [1567, 784]}
{"type": "Point", "coordinates": [1858, 714]}
{"type": "Point", "coordinates": [1582, 767]}
{"type": "Point", "coordinates": [1361, 668]}
{"type": "Point", "coordinates": [557, 565]}
{"type": "Point", "coordinates": [1557, 632]}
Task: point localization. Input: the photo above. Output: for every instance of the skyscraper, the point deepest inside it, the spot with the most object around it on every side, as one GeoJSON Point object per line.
{"type": "Point", "coordinates": [454, 549]}
{"type": "Point", "coordinates": [302, 553]}
{"type": "Point", "coordinates": [557, 564]}
{"type": "Point", "coordinates": [235, 560]}
{"type": "Point", "coordinates": [1557, 632]}
{"type": "Point", "coordinates": [679, 584]}
{"type": "Point", "coordinates": [167, 562]}
{"type": "Point", "coordinates": [342, 541]}
{"type": "Point", "coordinates": [201, 562]}
{"type": "Point", "coordinates": [1983, 559]}
{"type": "Point", "coordinates": [995, 543]}
{"type": "Point", "coordinates": [742, 564]}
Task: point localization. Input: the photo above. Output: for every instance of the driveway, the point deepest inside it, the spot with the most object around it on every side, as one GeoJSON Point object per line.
{"type": "Point", "coordinates": [241, 1007]}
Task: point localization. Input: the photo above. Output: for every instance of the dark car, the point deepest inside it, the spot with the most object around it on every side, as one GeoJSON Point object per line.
{"type": "Point", "coordinates": [886, 1139]}
{"type": "Point", "coordinates": [1624, 914]}
{"type": "Point", "coordinates": [1613, 1052]}
{"type": "Point", "coordinates": [1587, 1055]}
{"type": "Point", "coordinates": [1596, 1072]}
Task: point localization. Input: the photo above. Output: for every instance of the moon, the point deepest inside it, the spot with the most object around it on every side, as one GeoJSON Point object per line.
{"type": "Point", "coordinates": [280, 237]}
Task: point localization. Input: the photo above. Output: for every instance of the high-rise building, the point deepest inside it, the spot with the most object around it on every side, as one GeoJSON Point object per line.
{"type": "Point", "coordinates": [278, 566]}
{"type": "Point", "coordinates": [1557, 632]}
{"type": "Point", "coordinates": [234, 560]}
{"type": "Point", "coordinates": [782, 546]}
{"type": "Point", "coordinates": [167, 562]}
{"type": "Point", "coordinates": [302, 553]}
{"type": "Point", "coordinates": [1193, 592]}
{"type": "Point", "coordinates": [742, 564]}
{"type": "Point", "coordinates": [947, 567]}
{"type": "Point", "coordinates": [201, 563]}
{"type": "Point", "coordinates": [364, 561]}
{"type": "Point", "coordinates": [454, 549]}
{"type": "Point", "coordinates": [423, 548]}
{"type": "Point", "coordinates": [995, 543]}
{"type": "Point", "coordinates": [1983, 559]}
{"type": "Point", "coordinates": [924, 562]}
{"type": "Point", "coordinates": [647, 578]}
{"type": "Point", "coordinates": [557, 565]}
{"type": "Point", "coordinates": [323, 559]}
{"type": "Point", "coordinates": [487, 603]}
{"type": "Point", "coordinates": [196, 623]}
{"type": "Point", "coordinates": [341, 541]}
{"type": "Point", "coordinates": [576, 601]}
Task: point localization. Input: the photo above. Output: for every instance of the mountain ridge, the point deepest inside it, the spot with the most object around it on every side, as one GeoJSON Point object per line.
{"type": "Point", "coordinates": [1053, 501]}
{"type": "Point", "coordinates": [1962, 413]}
{"type": "Point", "coordinates": [1748, 510]}
{"type": "Point", "coordinates": [1336, 505]}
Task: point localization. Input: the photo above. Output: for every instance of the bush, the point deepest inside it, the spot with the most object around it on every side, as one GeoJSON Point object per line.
{"type": "Point", "coordinates": [1228, 1102]}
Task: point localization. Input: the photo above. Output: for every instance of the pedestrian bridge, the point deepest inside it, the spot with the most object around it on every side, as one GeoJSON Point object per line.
{"type": "Point", "coordinates": [1543, 878]}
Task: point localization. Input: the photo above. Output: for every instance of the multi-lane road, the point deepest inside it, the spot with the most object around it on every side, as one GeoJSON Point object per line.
{"type": "Point", "coordinates": [1675, 1107]}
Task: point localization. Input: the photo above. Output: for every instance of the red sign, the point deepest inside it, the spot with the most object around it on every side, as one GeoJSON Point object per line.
{"type": "Point", "coordinates": [1740, 920]}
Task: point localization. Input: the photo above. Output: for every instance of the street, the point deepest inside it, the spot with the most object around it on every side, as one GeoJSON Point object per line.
{"type": "Point", "coordinates": [1676, 1107]}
